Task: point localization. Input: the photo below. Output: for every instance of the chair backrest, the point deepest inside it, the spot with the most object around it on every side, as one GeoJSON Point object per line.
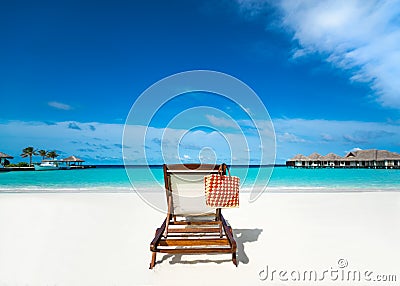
{"type": "Point", "coordinates": [184, 183]}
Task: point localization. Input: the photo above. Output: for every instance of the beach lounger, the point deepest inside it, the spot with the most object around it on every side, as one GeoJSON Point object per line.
{"type": "Point", "coordinates": [191, 227]}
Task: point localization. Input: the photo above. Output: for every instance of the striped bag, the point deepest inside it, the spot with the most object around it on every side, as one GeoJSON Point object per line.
{"type": "Point", "coordinates": [222, 191]}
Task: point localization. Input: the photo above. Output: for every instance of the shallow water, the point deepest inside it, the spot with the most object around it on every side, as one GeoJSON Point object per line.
{"type": "Point", "coordinates": [115, 179]}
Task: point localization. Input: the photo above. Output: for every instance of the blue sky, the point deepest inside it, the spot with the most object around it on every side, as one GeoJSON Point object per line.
{"type": "Point", "coordinates": [327, 71]}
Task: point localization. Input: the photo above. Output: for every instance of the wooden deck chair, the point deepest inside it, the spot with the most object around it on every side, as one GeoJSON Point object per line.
{"type": "Point", "coordinates": [191, 227]}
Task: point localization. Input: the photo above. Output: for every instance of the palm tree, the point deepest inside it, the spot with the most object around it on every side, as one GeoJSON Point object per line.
{"type": "Point", "coordinates": [29, 152]}
{"type": "Point", "coordinates": [43, 153]}
{"type": "Point", "coordinates": [52, 154]}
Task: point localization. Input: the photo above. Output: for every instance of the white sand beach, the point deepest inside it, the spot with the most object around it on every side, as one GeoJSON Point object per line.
{"type": "Point", "coordinates": [103, 239]}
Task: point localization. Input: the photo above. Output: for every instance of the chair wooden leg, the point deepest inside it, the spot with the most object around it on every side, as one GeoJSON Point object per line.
{"type": "Point", "coordinates": [153, 260]}
{"type": "Point", "coordinates": [234, 259]}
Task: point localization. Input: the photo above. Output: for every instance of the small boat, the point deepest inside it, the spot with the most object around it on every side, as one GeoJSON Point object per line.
{"type": "Point", "coordinates": [48, 165]}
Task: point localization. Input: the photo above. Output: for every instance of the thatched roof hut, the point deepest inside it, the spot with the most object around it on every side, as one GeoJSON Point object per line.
{"type": "Point", "coordinates": [299, 157]}
{"type": "Point", "coordinates": [331, 157]}
{"type": "Point", "coordinates": [73, 159]}
{"type": "Point", "coordinates": [355, 159]}
{"type": "Point", "coordinates": [315, 156]}
{"type": "Point", "coordinates": [386, 155]}
{"type": "Point", "coordinates": [372, 155]}
{"type": "Point", "coordinates": [362, 155]}
{"type": "Point", "coordinates": [5, 156]}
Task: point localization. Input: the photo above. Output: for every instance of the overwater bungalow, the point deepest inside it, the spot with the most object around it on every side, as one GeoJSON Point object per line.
{"type": "Point", "coordinates": [73, 161]}
{"type": "Point", "coordinates": [3, 158]}
{"type": "Point", "coordinates": [378, 159]}
{"type": "Point", "coordinates": [331, 160]}
{"type": "Point", "coordinates": [76, 163]}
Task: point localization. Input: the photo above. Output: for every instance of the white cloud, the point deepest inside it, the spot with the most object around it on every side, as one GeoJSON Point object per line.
{"type": "Point", "coordinates": [354, 149]}
{"type": "Point", "coordinates": [59, 105]}
{"type": "Point", "coordinates": [102, 143]}
{"type": "Point", "coordinates": [361, 36]}
{"type": "Point", "coordinates": [354, 139]}
{"type": "Point", "coordinates": [289, 137]}
{"type": "Point", "coordinates": [255, 127]}
{"type": "Point", "coordinates": [327, 137]}
{"type": "Point", "coordinates": [222, 122]}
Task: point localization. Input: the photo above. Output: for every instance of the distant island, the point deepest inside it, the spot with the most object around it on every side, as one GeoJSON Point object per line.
{"type": "Point", "coordinates": [372, 159]}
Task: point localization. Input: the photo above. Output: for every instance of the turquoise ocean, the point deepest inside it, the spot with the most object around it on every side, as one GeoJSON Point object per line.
{"type": "Point", "coordinates": [283, 179]}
